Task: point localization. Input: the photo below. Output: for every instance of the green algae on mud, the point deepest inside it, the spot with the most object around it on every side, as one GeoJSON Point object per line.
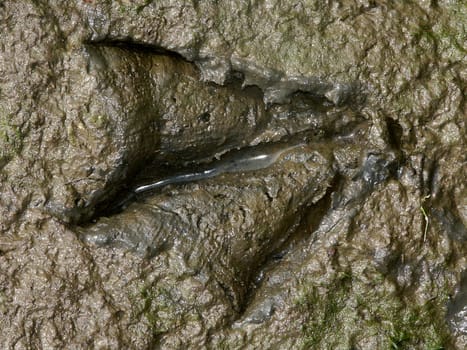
{"type": "Point", "coordinates": [376, 312]}
{"type": "Point", "coordinates": [11, 138]}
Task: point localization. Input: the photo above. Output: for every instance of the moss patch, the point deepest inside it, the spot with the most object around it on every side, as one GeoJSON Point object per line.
{"type": "Point", "coordinates": [350, 313]}
{"type": "Point", "coordinates": [11, 139]}
{"type": "Point", "coordinates": [164, 309]}
{"type": "Point", "coordinates": [158, 307]}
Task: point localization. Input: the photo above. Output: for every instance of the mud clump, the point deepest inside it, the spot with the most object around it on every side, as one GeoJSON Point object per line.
{"type": "Point", "coordinates": [352, 238]}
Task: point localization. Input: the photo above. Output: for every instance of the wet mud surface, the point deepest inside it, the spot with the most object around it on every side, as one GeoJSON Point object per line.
{"type": "Point", "coordinates": [184, 174]}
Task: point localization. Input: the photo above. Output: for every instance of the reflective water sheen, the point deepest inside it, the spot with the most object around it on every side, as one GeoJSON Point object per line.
{"type": "Point", "coordinates": [248, 159]}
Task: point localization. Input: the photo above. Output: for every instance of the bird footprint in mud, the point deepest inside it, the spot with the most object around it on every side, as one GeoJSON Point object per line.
{"type": "Point", "coordinates": [227, 216]}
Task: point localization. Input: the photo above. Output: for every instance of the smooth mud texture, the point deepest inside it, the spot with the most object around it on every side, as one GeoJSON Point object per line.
{"type": "Point", "coordinates": [308, 161]}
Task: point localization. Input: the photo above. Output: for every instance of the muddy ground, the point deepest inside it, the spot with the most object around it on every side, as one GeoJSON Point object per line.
{"type": "Point", "coordinates": [309, 160]}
